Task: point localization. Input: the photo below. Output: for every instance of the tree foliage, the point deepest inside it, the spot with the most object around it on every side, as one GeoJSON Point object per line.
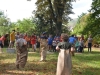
{"type": "Point", "coordinates": [4, 23]}
{"type": "Point", "coordinates": [81, 24]}
{"type": "Point", "coordinates": [93, 25]}
{"type": "Point", "coordinates": [53, 13]}
{"type": "Point", "coordinates": [90, 24]}
{"type": "Point", "coordinates": [25, 26]}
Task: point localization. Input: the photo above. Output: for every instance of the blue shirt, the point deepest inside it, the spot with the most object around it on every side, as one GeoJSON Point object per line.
{"type": "Point", "coordinates": [50, 41]}
{"type": "Point", "coordinates": [72, 40]}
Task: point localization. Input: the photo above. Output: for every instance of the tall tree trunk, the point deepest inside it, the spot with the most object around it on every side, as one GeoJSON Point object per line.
{"type": "Point", "coordinates": [51, 24]}
{"type": "Point", "coordinates": [57, 14]}
{"type": "Point", "coordinates": [59, 25]}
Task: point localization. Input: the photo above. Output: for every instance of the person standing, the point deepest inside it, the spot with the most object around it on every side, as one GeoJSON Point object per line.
{"type": "Point", "coordinates": [72, 41]}
{"type": "Point", "coordinates": [89, 43]}
{"type": "Point", "coordinates": [12, 39]}
{"type": "Point", "coordinates": [64, 64]}
{"type": "Point", "coordinates": [2, 42]}
{"type": "Point", "coordinates": [22, 53]}
{"type": "Point", "coordinates": [50, 40]}
{"type": "Point", "coordinates": [43, 46]}
{"type": "Point", "coordinates": [27, 38]}
{"type": "Point", "coordinates": [33, 42]}
{"type": "Point", "coordinates": [54, 44]}
{"type": "Point", "coordinates": [82, 38]}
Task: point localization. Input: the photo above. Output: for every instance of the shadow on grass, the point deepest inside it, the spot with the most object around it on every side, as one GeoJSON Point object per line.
{"type": "Point", "coordinates": [31, 68]}
{"type": "Point", "coordinates": [86, 71]}
{"type": "Point", "coordinates": [44, 68]}
{"type": "Point", "coordinates": [86, 63]}
{"type": "Point", "coordinates": [93, 56]}
{"type": "Point", "coordinates": [49, 68]}
{"type": "Point", "coordinates": [4, 56]}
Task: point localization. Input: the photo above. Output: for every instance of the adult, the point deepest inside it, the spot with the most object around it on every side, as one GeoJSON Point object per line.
{"type": "Point", "coordinates": [12, 39]}
{"type": "Point", "coordinates": [33, 42]}
{"type": "Point", "coordinates": [64, 64]}
{"type": "Point", "coordinates": [72, 41]}
{"type": "Point", "coordinates": [43, 47]}
{"type": "Point", "coordinates": [89, 43]}
{"type": "Point", "coordinates": [22, 52]}
{"type": "Point", "coordinates": [82, 38]}
{"type": "Point", "coordinates": [2, 39]}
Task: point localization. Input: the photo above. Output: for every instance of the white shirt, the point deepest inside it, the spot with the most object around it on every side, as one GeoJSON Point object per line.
{"type": "Point", "coordinates": [21, 42]}
{"type": "Point", "coordinates": [89, 40]}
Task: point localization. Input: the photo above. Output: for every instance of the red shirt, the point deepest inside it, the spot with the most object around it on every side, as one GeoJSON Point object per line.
{"type": "Point", "coordinates": [33, 40]}
{"type": "Point", "coordinates": [2, 38]}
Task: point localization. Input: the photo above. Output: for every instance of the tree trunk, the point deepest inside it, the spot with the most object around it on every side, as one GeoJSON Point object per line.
{"type": "Point", "coordinates": [59, 25]}
{"type": "Point", "coordinates": [51, 24]}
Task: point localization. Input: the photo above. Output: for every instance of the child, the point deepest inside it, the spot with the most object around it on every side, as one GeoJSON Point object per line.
{"type": "Point", "coordinates": [54, 44]}
{"type": "Point", "coordinates": [64, 64]}
{"type": "Point", "coordinates": [50, 39]}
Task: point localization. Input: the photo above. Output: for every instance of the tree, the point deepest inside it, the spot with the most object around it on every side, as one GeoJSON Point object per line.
{"type": "Point", "coordinates": [81, 24]}
{"type": "Point", "coordinates": [4, 22]}
{"type": "Point", "coordinates": [93, 25]}
{"type": "Point", "coordinates": [25, 26]}
{"type": "Point", "coordinates": [54, 12]}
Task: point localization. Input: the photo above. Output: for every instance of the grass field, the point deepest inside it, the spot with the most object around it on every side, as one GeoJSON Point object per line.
{"type": "Point", "coordinates": [83, 64]}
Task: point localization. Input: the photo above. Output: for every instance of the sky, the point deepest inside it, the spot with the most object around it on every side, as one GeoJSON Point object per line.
{"type": "Point", "coordinates": [19, 9]}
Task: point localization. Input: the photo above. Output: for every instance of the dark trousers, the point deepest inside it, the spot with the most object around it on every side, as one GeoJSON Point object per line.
{"type": "Point", "coordinates": [76, 48]}
{"type": "Point", "coordinates": [54, 48]}
{"type": "Point", "coordinates": [80, 49]}
{"type": "Point", "coordinates": [89, 47]}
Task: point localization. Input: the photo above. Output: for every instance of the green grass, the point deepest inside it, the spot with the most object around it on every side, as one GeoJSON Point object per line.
{"type": "Point", "coordinates": [83, 64]}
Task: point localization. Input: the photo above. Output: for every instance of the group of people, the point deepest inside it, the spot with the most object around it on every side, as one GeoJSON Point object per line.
{"type": "Point", "coordinates": [79, 45]}
{"type": "Point", "coordinates": [64, 44]}
{"type": "Point", "coordinates": [64, 48]}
